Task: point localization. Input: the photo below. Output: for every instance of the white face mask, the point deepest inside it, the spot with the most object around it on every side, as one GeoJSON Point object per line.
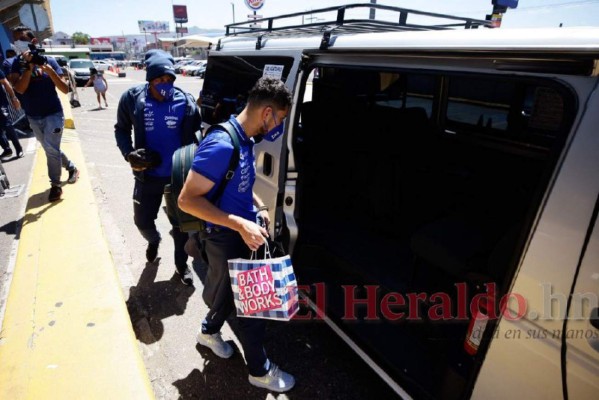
{"type": "Point", "coordinates": [21, 46]}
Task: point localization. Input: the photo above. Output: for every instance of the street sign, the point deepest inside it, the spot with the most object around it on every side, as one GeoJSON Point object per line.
{"type": "Point", "coordinates": [182, 29]}
{"type": "Point", "coordinates": [254, 16]}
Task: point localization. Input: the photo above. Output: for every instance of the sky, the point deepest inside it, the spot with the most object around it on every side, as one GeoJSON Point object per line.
{"type": "Point", "coordinates": [115, 17]}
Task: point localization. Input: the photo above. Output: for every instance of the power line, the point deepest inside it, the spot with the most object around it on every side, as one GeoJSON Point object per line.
{"type": "Point", "coordinates": [572, 3]}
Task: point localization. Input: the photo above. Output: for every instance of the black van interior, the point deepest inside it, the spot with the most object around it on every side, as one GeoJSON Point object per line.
{"type": "Point", "coordinates": [413, 182]}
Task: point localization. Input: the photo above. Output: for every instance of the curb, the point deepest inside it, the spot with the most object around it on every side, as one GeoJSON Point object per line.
{"type": "Point", "coordinates": [66, 332]}
{"type": "Point", "coordinates": [69, 121]}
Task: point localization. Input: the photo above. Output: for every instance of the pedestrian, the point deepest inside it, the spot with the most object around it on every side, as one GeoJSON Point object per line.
{"type": "Point", "coordinates": [100, 85]}
{"type": "Point", "coordinates": [36, 79]}
{"type": "Point", "coordinates": [163, 118]}
{"type": "Point", "coordinates": [7, 131]}
{"type": "Point", "coordinates": [232, 231]}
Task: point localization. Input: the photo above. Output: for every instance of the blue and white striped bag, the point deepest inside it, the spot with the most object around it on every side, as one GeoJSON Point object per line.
{"type": "Point", "coordinates": [264, 288]}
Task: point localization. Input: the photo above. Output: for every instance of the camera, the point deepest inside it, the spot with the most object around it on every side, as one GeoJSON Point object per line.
{"type": "Point", "coordinates": [37, 57]}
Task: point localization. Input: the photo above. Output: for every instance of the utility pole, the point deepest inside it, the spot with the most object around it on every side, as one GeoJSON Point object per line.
{"type": "Point", "coordinates": [372, 10]}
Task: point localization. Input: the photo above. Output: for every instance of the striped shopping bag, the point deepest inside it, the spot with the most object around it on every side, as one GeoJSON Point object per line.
{"type": "Point", "coordinates": [264, 288]}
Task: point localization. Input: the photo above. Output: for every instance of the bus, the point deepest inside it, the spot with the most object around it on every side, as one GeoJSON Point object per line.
{"type": "Point", "coordinates": [102, 55]}
{"type": "Point", "coordinates": [68, 52]}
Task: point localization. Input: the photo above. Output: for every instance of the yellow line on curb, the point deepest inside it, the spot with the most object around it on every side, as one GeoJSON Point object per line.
{"type": "Point", "coordinates": [66, 332]}
{"type": "Point", "coordinates": [69, 122]}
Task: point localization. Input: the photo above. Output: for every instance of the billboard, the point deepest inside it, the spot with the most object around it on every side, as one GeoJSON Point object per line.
{"type": "Point", "coordinates": [153, 26]}
{"type": "Point", "coordinates": [180, 14]}
{"type": "Point", "coordinates": [182, 29]}
{"type": "Point", "coordinates": [99, 40]}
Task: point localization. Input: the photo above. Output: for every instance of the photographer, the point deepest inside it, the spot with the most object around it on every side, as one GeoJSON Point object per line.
{"type": "Point", "coordinates": [36, 78]}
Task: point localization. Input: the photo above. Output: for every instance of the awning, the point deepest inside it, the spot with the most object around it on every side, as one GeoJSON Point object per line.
{"type": "Point", "coordinates": [196, 41]}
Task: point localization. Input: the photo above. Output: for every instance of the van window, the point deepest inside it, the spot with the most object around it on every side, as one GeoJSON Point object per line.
{"type": "Point", "coordinates": [530, 113]}
{"type": "Point", "coordinates": [228, 81]}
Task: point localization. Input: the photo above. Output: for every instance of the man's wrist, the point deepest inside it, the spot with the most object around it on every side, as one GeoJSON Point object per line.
{"type": "Point", "coordinates": [263, 208]}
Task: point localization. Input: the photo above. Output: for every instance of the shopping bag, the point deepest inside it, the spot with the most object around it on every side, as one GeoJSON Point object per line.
{"type": "Point", "coordinates": [264, 288]}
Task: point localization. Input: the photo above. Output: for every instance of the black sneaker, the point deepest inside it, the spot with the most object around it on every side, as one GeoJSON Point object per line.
{"type": "Point", "coordinates": [152, 251]}
{"type": "Point", "coordinates": [55, 193]}
{"type": "Point", "coordinates": [6, 153]}
{"type": "Point", "coordinates": [185, 275]}
{"type": "Point", "coordinates": [73, 175]}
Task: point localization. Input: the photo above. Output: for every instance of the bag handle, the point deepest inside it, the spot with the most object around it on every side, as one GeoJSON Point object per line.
{"type": "Point", "coordinates": [266, 252]}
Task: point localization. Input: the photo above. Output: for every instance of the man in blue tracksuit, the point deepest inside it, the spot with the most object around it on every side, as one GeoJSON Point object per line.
{"type": "Point", "coordinates": [232, 229]}
{"type": "Point", "coordinates": [163, 119]}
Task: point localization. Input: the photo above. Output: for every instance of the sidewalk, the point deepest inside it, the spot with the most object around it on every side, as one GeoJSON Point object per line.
{"type": "Point", "coordinates": [66, 332]}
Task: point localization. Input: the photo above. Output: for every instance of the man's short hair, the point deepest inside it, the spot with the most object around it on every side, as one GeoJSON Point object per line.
{"type": "Point", "coordinates": [269, 91]}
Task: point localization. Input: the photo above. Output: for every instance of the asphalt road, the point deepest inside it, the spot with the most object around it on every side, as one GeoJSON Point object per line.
{"type": "Point", "coordinates": [166, 314]}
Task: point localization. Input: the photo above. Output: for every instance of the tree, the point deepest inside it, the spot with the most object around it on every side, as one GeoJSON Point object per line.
{"type": "Point", "coordinates": [80, 38]}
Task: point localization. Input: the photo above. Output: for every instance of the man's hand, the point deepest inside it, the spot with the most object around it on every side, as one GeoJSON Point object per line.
{"type": "Point", "coordinates": [16, 103]}
{"type": "Point", "coordinates": [265, 217]}
{"type": "Point", "coordinates": [142, 159]}
{"type": "Point", "coordinates": [252, 234]}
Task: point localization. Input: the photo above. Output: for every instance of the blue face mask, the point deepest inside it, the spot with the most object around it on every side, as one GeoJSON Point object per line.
{"type": "Point", "coordinates": [165, 89]}
{"type": "Point", "coordinates": [275, 132]}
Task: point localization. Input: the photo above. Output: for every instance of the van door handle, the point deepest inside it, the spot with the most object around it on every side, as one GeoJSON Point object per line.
{"type": "Point", "coordinates": [594, 320]}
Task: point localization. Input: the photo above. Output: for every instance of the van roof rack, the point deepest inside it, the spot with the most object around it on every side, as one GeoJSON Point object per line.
{"type": "Point", "coordinates": [343, 25]}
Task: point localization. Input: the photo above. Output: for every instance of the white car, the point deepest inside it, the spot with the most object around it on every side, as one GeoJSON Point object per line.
{"type": "Point", "coordinates": [191, 68]}
{"type": "Point", "coordinates": [102, 65]}
{"type": "Point", "coordinates": [80, 68]}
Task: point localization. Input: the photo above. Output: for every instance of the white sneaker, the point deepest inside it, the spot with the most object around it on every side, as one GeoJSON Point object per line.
{"type": "Point", "coordinates": [275, 380]}
{"type": "Point", "coordinates": [215, 343]}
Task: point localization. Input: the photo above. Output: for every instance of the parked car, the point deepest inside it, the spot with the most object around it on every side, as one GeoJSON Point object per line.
{"type": "Point", "coordinates": [437, 191]}
{"type": "Point", "coordinates": [200, 72]}
{"type": "Point", "coordinates": [102, 65]}
{"type": "Point", "coordinates": [181, 63]}
{"type": "Point", "coordinates": [191, 68]}
{"type": "Point", "coordinates": [60, 59]}
{"type": "Point", "coordinates": [80, 68]}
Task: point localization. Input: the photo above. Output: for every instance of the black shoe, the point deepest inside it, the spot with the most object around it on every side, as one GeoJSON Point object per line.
{"type": "Point", "coordinates": [185, 275]}
{"type": "Point", "coordinates": [73, 175]}
{"type": "Point", "coordinates": [152, 251]}
{"type": "Point", "coordinates": [20, 154]}
{"type": "Point", "coordinates": [6, 153]}
{"type": "Point", "coordinates": [55, 193]}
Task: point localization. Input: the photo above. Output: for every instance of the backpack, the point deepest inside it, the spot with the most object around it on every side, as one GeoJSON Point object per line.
{"type": "Point", "coordinates": [182, 160]}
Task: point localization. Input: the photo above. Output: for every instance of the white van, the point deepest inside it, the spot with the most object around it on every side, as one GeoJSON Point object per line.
{"type": "Point", "coordinates": [438, 191]}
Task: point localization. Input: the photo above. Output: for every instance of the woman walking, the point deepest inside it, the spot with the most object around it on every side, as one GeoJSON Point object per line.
{"type": "Point", "coordinates": [100, 85]}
